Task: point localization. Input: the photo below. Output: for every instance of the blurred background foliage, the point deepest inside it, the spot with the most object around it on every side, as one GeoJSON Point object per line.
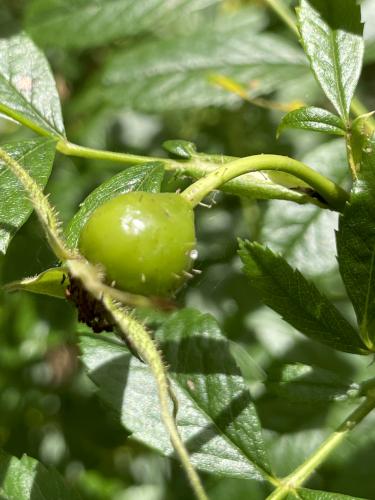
{"type": "Point", "coordinates": [129, 80]}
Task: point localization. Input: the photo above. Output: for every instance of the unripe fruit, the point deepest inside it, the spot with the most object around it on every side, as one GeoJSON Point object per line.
{"type": "Point", "coordinates": [145, 241]}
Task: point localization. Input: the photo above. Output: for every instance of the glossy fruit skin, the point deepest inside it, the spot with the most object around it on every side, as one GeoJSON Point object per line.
{"type": "Point", "coordinates": [143, 240]}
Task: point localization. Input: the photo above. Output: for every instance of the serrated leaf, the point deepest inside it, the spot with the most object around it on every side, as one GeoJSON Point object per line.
{"type": "Point", "coordinates": [52, 282]}
{"type": "Point", "coordinates": [310, 384]}
{"type": "Point", "coordinates": [356, 243]}
{"type": "Point", "coordinates": [36, 156]}
{"type": "Point", "coordinates": [147, 177]}
{"type": "Point", "coordinates": [297, 300]}
{"type": "Point", "coordinates": [306, 494]}
{"type": "Point", "coordinates": [89, 23]}
{"type": "Point", "coordinates": [217, 418]}
{"type": "Point", "coordinates": [28, 479]}
{"type": "Point", "coordinates": [176, 73]}
{"type": "Point", "coordinates": [315, 119]}
{"type": "Point", "coordinates": [27, 88]}
{"type": "Point", "coordinates": [332, 38]}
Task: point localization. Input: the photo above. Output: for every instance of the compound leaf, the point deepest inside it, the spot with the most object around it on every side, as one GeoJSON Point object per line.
{"type": "Point", "coordinates": [177, 74]}
{"type": "Point", "coordinates": [89, 23]}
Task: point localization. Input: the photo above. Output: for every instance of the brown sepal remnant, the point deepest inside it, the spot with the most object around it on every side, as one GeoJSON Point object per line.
{"type": "Point", "coordinates": [90, 310]}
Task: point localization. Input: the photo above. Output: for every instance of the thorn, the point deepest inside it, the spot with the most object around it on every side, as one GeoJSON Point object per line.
{"type": "Point", "coordinates": [196, 271]}
{"type": "Point", "coordinates": [205, 205]}
{"type": "Point", "coordinates": [188, 275]}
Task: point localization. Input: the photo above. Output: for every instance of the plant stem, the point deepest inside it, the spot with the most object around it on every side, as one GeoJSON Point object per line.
{"type": "Point", "coordinates": [304, 471]}
{"type": "Point", "coordinates": [70, 149]}
{"type": "Point", "coordinates": [129, 329]}
{"type": "Point", "coordinates": [255, 186]}
{"type": "Point", "coordinates": [333, 194]}
{"type": "Point", "coordinates": [46, 213]}
{"type": "Point", "coordinates": [284, 13]}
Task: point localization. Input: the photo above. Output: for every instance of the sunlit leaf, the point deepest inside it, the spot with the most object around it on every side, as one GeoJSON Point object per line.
{"type": "Point", "coordinates": [28, 479]}
{"type": "Point", "coordinates": [217, 418]}
{"type": "Point", "coordinates": [332, 38]}
{"type": "Point", "coordinates": [52, 282]}
{"type": "Point", "coordinates": [27, 88]}
{"type": "Point", "coordinates": [310, 384]}
{"type": "Point", "coordinates": [314, 119]}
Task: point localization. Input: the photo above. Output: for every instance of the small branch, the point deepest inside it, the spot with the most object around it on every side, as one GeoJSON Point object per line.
{"type": "Point", "coordinates": [254, 185]}
{"type": "Point", "coordinates": [333, 194]}
{"type": "Point", "coordinates": [70, 149]}
{"type": "Point", "coordinates": [284, 13]}
{"type": "Point", "coordinates": [297, 478]}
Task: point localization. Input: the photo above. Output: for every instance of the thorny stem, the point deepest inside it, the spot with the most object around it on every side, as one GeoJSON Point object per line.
{"type": "Point", "coordinates": [132, 331]}
{"type": "Point", "coordinates": [298, 477]}
{"type": "Point", "coordinates": [333, 194]}
{"type": "Point", "coordinates": [129, 328]}
{"type": "Point", "coordinates": [46, 214]}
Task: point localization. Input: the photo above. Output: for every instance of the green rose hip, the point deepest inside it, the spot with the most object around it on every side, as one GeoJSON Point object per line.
{"type": "Point", "coordinates": [144, 241]}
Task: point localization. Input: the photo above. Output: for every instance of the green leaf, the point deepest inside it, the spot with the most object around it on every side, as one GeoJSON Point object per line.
{"type": "Point", "coordinates": [147, 177]}
{"type": "Point", "coordinates": [217, 418]}
{"type": "Point", "coordinates": [89, 23]}
{"type": "Point", "coordinates": [310, 118]}
{"type": "Point", "coordinates": [28, 479]}
{"type": "Point", "coordinates": [180, 148]}
{"type": "Point", "coordinates": [27, 88]}
{"type": "Point", "coordinates": [356, 244]}
{"type": "Point", "coordinates": [332, 38]}
{"type": "Point", "coordinates": [37, 157]}
{"type": "Point", "coordinates": [51, 282]}
{"type": "Point", "coordinates": [305, 494]}
{"type": "Point", "coordinates": [299, 302]}
{"type": "Point", "coordinates": [310, 384]}
{"type": "Point", "coordinates": [176, 73]}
